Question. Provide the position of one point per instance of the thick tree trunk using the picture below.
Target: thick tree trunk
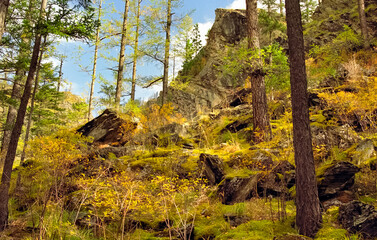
(308, 213)
(261, 121)
(363, 23)
(94, 63)
(165, 79)
(133, 87)
(4, 4)
(118, 92)
(11, 153)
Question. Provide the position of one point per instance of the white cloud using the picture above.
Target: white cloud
(203, 29)
(55, 61)
(237, 4)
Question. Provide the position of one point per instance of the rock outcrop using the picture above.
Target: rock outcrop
(109, 129)
(207, 86)
(358, 217)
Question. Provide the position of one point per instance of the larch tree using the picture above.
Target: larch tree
(363, 23)
(165, 79)
(94, 70)
(136, 51)
(261, 121)
(308, 212)
(123, 41)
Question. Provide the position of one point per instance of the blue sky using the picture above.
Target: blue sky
(79, 80)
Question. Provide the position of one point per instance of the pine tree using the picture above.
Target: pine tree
(261, 121)
(308, 212)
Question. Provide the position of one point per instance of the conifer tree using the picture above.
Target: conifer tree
(261, 121)
(123, 41)
(308, 212)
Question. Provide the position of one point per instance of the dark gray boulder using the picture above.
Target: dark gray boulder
(238, 189)
(358, 217)
(212, 168)
(336, 178)
(109, 129)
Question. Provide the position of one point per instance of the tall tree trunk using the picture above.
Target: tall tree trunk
(165, 79)
(4, 4)
(11, 153)
(94, 63)
(118, 92)
(261, 121)
(133, 87)
(35, 89)
(308, 213)
(363, 23)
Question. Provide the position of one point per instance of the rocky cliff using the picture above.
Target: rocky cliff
(203, 86)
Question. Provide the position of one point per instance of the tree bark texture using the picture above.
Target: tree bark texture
(123, 41)
(165, 79)
(308, 213)
(16, 132)
(35, 89)
(94, 63)
(4, 4)
(261, 121)
(133, 87)
(363, 23)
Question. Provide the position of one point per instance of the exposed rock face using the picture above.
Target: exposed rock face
(207, 87)
(109, 129)
(358, 217)
(342, 137)
(211, 167)
(335, 179)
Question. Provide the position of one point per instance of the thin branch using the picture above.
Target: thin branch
(153, 82)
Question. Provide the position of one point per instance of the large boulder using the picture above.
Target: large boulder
(109, 129)
(237, 189)
(358, 217)
(336, 178)
(277, 181)
(212, 168)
